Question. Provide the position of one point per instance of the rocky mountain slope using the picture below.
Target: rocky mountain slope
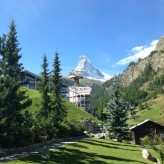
(85, 68)
(155, 59)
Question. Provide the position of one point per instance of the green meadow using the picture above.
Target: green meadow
(91, 151)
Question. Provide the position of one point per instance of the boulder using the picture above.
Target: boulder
(147, 155)
(91, 126)
(100, 136)
(86, 132)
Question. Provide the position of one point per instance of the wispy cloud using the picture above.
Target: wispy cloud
(138, 52)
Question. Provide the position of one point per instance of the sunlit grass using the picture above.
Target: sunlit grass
(74, 113)
(91, 151)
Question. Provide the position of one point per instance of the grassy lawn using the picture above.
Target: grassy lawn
(92, 151)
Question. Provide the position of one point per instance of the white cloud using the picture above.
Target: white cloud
(136, 49)
(138, 52)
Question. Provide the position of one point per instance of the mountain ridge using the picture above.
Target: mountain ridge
(155, 59)
(86, 69)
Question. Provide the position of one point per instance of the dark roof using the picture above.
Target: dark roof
(32, 74)
(39, 77)
(148, 120)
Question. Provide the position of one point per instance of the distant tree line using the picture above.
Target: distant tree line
(99, 99)
(136, 93)
(114, 103)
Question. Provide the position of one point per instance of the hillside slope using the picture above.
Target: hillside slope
(142, 85)
(154, 112)
(74, 113)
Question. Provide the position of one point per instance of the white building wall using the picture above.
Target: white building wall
(78, 94)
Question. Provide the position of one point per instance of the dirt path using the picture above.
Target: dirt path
(36, 151)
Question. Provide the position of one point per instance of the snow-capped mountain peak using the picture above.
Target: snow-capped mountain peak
(85, 68)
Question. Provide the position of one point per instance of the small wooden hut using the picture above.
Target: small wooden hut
(146, 128)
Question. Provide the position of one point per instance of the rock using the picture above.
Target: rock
(155, 59)
(147, 155)
(45, 153)
(100, 136)
(86, 132)
(160, 44)
(92, 135)
(91, 126)
(158, 161)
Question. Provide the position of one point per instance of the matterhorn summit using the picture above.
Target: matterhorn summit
(85, 68)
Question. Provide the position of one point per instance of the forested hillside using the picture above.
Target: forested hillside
(142, 85)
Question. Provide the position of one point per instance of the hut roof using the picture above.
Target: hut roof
(145, 121)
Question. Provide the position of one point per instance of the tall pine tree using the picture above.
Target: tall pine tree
(60, 110)
(44, 89)
(117, 114)
(12, 99)
(10, 54)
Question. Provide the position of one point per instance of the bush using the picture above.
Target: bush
(76, 128)
(63, 130)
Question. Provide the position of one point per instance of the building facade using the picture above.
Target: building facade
(32, 80)
(80, 96)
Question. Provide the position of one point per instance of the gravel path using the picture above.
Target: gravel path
(36, 151)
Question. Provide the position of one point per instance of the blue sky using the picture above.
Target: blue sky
(111, 33)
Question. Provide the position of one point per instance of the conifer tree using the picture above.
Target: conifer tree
(44, 89)
(117, 114)
(60, 110)
(12, 99)
(10, 54)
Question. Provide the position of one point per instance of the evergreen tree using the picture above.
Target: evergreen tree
(56, 77)
(2, 48)
(12, 99)
(44, 89)
(60, 110)
(117, 114)
(10, 54)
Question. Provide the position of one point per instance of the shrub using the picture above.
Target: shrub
(76, 128)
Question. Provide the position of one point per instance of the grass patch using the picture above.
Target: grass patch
(91, 151)
(78, 114)
(74, 113)
(155, 113)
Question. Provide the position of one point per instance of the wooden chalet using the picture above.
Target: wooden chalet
(146, 128)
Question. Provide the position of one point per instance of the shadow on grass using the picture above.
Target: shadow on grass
(78, 145)
(115, 143)
(107, 145)
(66, 156)
(77, 153)
(74, 156)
